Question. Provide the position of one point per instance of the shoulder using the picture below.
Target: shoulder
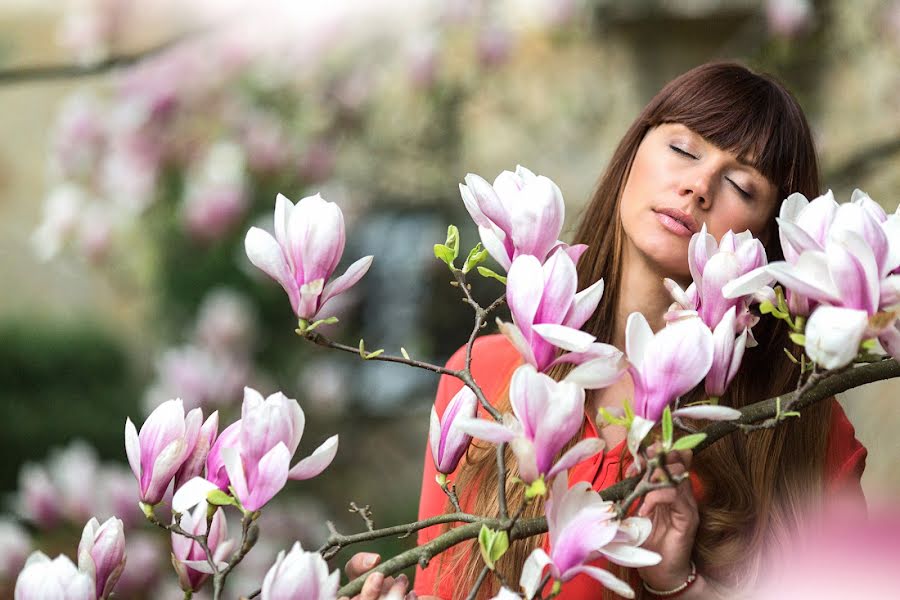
(845, 457)
(493, 360)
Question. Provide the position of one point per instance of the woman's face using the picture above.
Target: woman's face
(678, 182)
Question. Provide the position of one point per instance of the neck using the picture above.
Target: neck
(642, 291)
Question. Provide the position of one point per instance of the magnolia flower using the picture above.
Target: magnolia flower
(583, 527)
(101, 553)
(522, 213)
(547, 313)
(306, 249)
(728, 352)
(833, 335)
(712, 266)
(57, 579)
(188, 558)
(300, 575)
(255, 454)
(15, 545)
(448, 442)
(547, 415)
(166, 441)
(666, 364)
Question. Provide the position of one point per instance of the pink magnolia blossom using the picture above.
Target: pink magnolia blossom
(583, 527)
(521, 213)
(300, 575)
(189, 559)
(548, 313)
(166, 440)
(196, 461)
(216, 195)
(728, 351)
(253, 455)
(101, 553)
(303, 254)
(547, 415)
(447, 441)
(15, 545)
(57, 579)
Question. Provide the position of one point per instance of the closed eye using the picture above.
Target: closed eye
(744, 193)
(678, 150)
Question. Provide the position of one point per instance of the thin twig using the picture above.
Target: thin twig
(450, 490)
(319, 339)
(365, 512)
(481, 577)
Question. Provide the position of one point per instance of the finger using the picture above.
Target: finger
(360, 563)
(397, 588)
(673, 470)
(657, 498)
(371, 589)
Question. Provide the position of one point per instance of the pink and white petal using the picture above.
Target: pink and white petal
(526, 456)
(609, 581)
(517, 339)
(597, 373)
(271, 477)
(191, 494)
(710, 412)
(678, 294)
(471, 205)
(201, 566)
(133, 448)
(560, 283)
(533, 572)
(524, 290)
(833, 335)
(597, 350)
(581, 451)
(633, 531)
(567, 338)
(575, 251)
(308, 299)
(890, 292)
(490, 431)
(679, 357)
(638, 338)
(164, 467)
(630, 556)
(639, 429)
(316, 462)
(496, 245)
(890, 341)
(265, 253)
(854, 271)
(488, 202)
(235, 470)
(351, 276)
(809, 277)
(748, 283)
(791, 207)
(434, 436)
(795, 240)
(585, 304)
(740, 344)
(283, 209)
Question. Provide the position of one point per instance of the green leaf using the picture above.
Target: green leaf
(378, 352)
(445, 254)
(791, 357)
(798, 338)
(404, 352)
(667, 427)
(493, 545)
(485, 272)
(219, 498)
(453, 239)
(688, 442)
(477, 255)
(609, 417)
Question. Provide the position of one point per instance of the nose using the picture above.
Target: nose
(698, 185)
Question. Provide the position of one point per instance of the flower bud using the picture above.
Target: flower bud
(101, 553)
(300, 575)
(43, 578)
(448, 442)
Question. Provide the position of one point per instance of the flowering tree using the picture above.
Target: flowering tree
(836, 289)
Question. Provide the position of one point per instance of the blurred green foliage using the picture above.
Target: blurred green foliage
(59, 382)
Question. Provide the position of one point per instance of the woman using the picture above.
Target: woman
(720, 146)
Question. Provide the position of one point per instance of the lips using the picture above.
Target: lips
(682, 217)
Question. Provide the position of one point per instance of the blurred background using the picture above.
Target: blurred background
(139, 140)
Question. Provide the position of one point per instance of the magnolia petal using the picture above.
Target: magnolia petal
(854, 271)
(533, 571)
(597, 373)
(630, 556)
(581, 451)
(316, 462)
(235, 470)
(585, 304)
(524, 290)
(638, 337)
(487, 202)
(201, 566)
(472, 207)
(343, 283)
(490, 431)
(265, 254)
(639, 429)
(833, 335)
(496, 246)
(678, 294)
(517, 339)
(271, 476)
(748, 283)
(634, 531)
(133, 448)
(710, 412)
(565, 337)
(191, 494)
(809, 277)
(609, 581)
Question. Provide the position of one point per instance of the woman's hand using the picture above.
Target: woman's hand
(376, 585)
(673, 513)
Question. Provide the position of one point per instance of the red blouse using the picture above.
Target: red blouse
(494, 359)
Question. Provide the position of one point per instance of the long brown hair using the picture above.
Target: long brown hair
(755, 485)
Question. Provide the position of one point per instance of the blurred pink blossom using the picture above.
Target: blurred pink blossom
(15, 544)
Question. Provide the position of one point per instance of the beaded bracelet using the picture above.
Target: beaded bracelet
(676, 591)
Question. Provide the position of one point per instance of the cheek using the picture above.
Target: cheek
(738, 217)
